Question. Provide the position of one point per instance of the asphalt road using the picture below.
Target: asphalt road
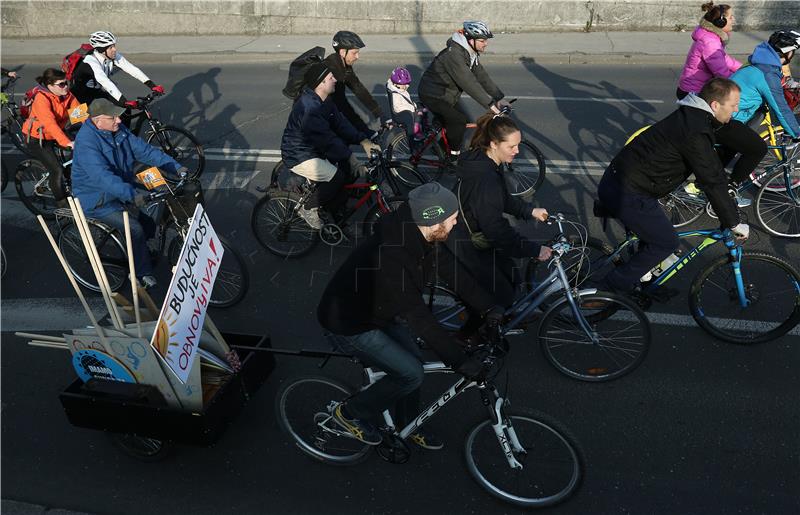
(701, 427)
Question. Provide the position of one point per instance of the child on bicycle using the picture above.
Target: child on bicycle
(404, 110)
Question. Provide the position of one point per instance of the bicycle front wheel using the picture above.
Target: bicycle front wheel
(613, 342)
(181, 146)
(32, 181)
(526, 173)
(399, 153)
(279, 228)
(109, 248)
(303, 407)
(552, 464)
(770, 286)
(778, 207)
(682, 207)
(14, 129)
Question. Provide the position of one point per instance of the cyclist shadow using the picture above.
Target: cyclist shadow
(188, 102)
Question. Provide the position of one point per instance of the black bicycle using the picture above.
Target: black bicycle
(13, 120)
(32, 182)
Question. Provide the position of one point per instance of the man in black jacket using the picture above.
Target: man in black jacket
(656, 163)
(316, 144)
(347, 46)
(384, 279)
(457, 69)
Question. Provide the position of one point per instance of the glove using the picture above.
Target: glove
(741, 232)
(357, 168)
(369, 146)
(132, 104)
(494, 316)
(158, 89)
(140, 199)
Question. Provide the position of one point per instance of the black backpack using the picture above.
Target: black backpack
(297, 70)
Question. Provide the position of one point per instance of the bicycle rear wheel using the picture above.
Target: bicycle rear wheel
(778, 208)
(772, 287)
(233, 279)
(526, 173)
(181, 146)
(681, 207)
(432, 162)
(109, 247)
(618, 341)
(33, 187)
(303, 406)
(279, 228)
(552, 463)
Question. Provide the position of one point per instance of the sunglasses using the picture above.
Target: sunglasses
(62, 84)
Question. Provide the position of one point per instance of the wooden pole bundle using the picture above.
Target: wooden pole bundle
(134, 282)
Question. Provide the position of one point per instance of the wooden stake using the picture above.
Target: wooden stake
(134, 282)
(43, 337)
(148, 301)
(49, 345)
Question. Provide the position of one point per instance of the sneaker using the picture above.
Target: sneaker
(740, 200)
(426, 440)
(148, 281)
(360, 429)
(311, 217)
(691, 189)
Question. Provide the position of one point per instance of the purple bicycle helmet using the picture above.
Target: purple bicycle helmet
(401, 76)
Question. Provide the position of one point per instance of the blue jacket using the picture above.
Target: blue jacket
(761, 83)
(102, 167)
(317, 129)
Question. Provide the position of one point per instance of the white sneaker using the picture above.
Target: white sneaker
(311, 216)
(148, 281)
(741, 201)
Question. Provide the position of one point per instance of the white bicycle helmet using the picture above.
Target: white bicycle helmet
(102, 39)
(477, 30)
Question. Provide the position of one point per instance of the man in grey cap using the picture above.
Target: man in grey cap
(384, 280)
(103, 180)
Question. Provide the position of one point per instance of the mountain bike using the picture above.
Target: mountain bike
(524, 175)
(740, 297)
(523, 457)
(279, 228)
(171, 209)
(580, 339)
(13, 120)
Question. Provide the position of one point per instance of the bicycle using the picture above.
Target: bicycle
(279, 228)
(12, 124)
(580, 339)
(538, 462)
(32, 182)
(740, 297)
(524, 175)
(177, 143)
(171, 209)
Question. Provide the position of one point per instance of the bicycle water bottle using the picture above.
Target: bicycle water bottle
(668, 261)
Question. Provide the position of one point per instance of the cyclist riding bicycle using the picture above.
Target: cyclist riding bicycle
(484, 240)
(347, 46)
(103, 178)
(383, 281)
(316, 144)
(761, 81)
(455, 70)
(91, 79)
(44, 128)
(658, 161)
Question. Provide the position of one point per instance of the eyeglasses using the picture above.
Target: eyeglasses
(62, 84)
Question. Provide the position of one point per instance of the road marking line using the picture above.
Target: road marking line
(576, 99)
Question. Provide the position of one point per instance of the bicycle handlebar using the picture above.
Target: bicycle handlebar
(146, 100)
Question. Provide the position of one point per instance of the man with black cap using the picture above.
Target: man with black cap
(103, 179)
(316, 144)
(384, 280)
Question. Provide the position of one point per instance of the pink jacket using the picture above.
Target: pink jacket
(707, 59)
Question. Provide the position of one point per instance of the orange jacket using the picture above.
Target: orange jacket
(49, 115)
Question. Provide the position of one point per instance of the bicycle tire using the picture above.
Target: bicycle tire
(625, 337)
(773, 155)
(14, 130)
(294, 415)
(445, 307)
(4, 176)
(682, 208)
(432, 167)
(109, 247)
(526, 172)
(776, 211)
(31, 181)
(374, 214)
(555, 463)
(145, 449)
(784, 316)
(536, 271)
(183, 147)
(275, 218)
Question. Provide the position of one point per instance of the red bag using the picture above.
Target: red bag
(73, 59)
(27, 101)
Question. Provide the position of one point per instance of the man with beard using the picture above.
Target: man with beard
(382, 283)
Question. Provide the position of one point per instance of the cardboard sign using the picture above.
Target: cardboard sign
(180, 324)
(151, 178)
(79, 114)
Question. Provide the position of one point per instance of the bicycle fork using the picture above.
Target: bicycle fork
(503, 430)
(736, 264)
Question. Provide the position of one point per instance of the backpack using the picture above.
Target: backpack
(27, 101)
(73, 59)
(297, 70)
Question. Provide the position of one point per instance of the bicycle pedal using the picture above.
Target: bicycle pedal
(514, 332)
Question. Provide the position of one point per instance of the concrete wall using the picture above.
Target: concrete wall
(36, 18)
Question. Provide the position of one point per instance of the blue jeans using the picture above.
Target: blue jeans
(142, 228)
(394, 351)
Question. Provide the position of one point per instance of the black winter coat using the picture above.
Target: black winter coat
(385, 277)
(317, 129)
(346, 78)
(663, 156)
(450, 74)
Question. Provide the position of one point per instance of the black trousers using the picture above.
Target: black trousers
(331, 195)
(46, 154)
(736, 137)
(452, 118)
(643, 215)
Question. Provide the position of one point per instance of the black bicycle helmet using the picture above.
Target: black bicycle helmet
(477, 30)
(344, 39)
(785, 41)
